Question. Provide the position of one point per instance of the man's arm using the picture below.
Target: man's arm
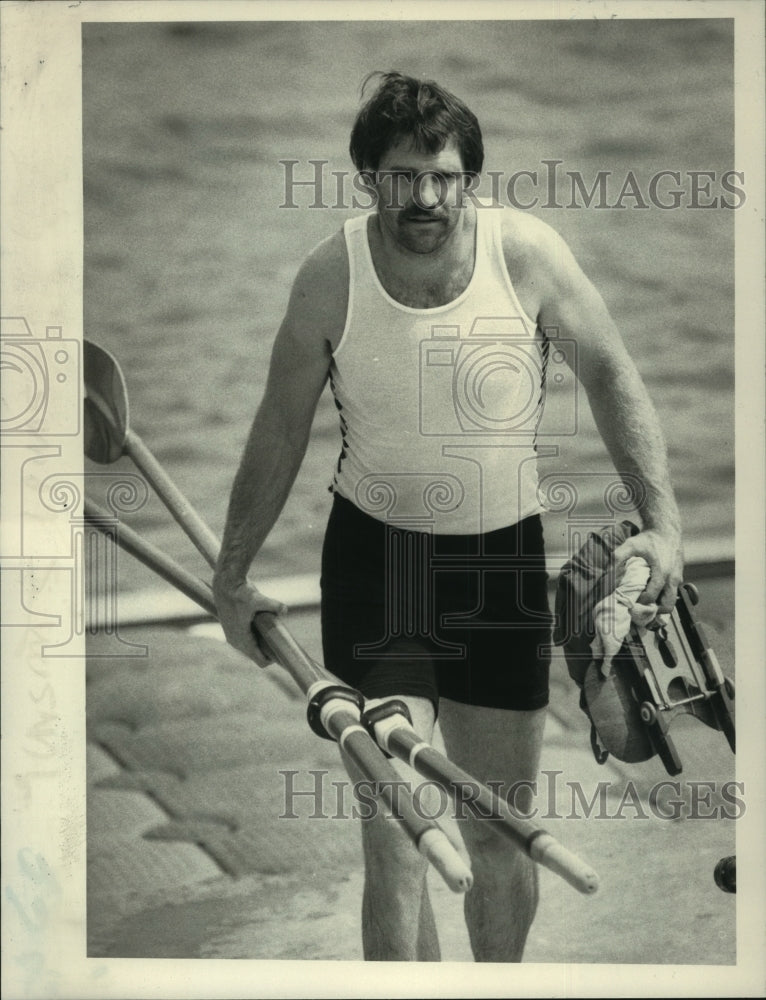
(624, 414)
(279, 436)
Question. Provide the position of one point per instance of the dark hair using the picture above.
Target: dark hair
(403, 107)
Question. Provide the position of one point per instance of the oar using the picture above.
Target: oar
(337, 708)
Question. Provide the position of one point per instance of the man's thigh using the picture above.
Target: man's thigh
(493, 744)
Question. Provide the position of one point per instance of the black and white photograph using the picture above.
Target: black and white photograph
(383, 502)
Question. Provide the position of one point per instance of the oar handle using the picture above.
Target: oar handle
(549, 853)
(387, 788)
(440, 852)
(395, 734)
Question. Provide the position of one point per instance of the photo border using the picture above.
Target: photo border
(44, 803)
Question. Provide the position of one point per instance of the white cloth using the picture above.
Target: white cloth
(613, 616)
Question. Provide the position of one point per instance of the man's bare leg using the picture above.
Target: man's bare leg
(496, 745)
(397, 919)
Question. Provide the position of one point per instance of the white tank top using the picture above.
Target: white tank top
(439, 407)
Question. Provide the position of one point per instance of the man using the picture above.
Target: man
(428, 316)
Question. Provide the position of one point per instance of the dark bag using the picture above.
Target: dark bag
(584, 580)
(658, 673)
(587, 578)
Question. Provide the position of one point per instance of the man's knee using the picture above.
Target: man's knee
(488, 848)
(389, 851)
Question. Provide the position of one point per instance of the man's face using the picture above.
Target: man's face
(420, 195)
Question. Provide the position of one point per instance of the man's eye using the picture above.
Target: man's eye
(396, 176)
(442, 178)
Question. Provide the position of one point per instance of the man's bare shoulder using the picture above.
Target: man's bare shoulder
(532, 251)
(320, 291)
(536, 255)
(525, 237)
(325, 270)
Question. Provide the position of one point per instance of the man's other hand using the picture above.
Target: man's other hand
(662, 551)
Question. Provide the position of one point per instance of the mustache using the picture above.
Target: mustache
(422, 214)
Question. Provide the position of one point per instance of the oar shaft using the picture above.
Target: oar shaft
(340, 723)
(148, 554)
(283, 646)
(177, 504)
(287, 652)
(426, 760)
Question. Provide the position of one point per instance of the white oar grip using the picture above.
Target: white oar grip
(547, 851)
(436, 846)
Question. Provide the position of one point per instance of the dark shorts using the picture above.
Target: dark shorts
(464, 617)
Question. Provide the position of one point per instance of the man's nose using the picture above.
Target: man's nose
(427, 191)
